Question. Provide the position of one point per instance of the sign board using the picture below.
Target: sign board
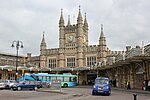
(56, 85)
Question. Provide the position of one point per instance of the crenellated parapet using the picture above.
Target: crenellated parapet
(92, 48)
(134, 52)
(53, 51)
(115, 52)
(130, 52)
(70, 28)
(35, 58)
(114, 56)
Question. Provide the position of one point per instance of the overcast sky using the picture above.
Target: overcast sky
(126, 22)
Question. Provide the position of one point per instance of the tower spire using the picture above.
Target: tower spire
(61, 21)
(68, 20)
(85, 22)
(43, 45)
(101, 27)
(102, 34)
(102, 45)
(79, 19)
(102, 40)
(43, 39)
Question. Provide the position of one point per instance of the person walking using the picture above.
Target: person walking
(128, 85)
(143, 86)
(149, 85)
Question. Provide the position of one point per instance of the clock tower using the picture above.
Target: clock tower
(73, 38)
(73, 35)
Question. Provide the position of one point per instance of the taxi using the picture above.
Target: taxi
(101, 86)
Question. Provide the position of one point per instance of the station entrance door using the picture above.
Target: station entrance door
(91, 78)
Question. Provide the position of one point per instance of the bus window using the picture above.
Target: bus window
(40, 78)
(44, 78)
(53, 78)
(49, 78)
(74, 79)
(60, 78)
(66, 79)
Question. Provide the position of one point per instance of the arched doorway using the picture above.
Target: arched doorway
(91, 76)
(139, 77)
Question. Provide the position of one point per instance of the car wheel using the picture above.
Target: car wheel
(108, 93)
(35, 88)
(93, 93)
(65, 85)
(18, 88)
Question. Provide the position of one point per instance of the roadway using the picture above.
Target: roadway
(77, 93)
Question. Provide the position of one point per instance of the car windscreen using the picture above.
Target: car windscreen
(101, 81)
(13, 81)
(1, 81)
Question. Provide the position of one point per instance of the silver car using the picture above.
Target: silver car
(10, 83)
(7, 84)
(3, 84)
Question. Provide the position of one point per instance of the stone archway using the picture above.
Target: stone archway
(139, 76)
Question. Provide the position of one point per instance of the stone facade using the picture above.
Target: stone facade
(74, 49)
(75, 55)
(10, 59)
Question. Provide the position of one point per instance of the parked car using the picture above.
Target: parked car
(10, 83)
(101, 86)
(26, 85)
(4, 84)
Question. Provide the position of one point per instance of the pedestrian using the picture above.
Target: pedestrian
(149, 85)
(146, 84)
(143, 86)
(128, 85)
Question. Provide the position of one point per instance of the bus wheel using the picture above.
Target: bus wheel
(65, 85)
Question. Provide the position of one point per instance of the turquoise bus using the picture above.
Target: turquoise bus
(67, 79)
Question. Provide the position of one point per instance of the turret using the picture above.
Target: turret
(61, 20)
(61, 31)
(43, 45)
(79, 35)
(85, 23)
(102, 40)
(79, 19)
(68, 21)
(102, 46)
(79, 29)
(61, 62)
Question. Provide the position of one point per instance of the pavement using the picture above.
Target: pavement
(64, 94)
(62, 91)
(68, 94)
(138, 91)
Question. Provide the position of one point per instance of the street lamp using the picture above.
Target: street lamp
(18, 44)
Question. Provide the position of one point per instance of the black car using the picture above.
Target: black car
(27, 85)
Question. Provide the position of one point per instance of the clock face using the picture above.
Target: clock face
(70, 38)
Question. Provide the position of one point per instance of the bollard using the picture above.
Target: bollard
(135, 96)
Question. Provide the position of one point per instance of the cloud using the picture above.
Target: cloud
(125, 22)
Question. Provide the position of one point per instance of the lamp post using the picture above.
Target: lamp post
(17, 44)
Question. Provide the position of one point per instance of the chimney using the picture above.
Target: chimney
(128, 48)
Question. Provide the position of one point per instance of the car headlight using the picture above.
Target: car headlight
(107, 87)
(94, 86)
